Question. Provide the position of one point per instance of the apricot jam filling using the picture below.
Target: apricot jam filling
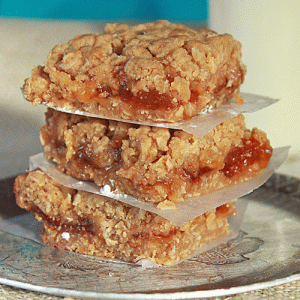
(85, 156)
(82, 225)
(89, 91)
(251, 151)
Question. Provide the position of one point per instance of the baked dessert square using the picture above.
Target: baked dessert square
(156, 71)
(95, 225)
(150, 163)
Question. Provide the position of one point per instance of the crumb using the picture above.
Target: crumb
(166, 204)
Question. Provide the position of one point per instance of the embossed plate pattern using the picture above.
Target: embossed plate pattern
(266, 253)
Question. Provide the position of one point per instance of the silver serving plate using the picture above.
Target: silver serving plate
(266, 253)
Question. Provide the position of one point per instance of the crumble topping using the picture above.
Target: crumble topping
(152, 71)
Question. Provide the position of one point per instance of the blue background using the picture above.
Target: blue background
(172, 10)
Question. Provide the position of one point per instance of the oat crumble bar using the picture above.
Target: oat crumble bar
(155, 71)
(94, 225)
(150, 163)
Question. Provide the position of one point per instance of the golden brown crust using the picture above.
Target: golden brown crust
(154, 71)
(154, 164)
(92, 224)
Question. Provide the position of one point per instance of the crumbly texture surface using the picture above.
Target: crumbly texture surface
(94, 225)
(155, 71)
(150, 163)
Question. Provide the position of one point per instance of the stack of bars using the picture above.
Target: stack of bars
(129, 77)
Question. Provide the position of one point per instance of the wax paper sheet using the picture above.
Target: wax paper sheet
(201, 124)
(186, 210)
